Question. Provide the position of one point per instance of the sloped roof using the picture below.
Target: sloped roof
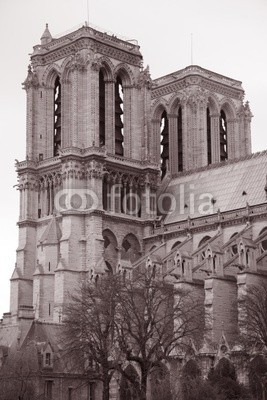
(52, 233)
(10, 334)
(231, 186)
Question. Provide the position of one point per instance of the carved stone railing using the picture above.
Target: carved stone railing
(221, 218)
(82, 31)
(196, 70)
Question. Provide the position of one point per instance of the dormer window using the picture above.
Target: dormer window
(47, 359)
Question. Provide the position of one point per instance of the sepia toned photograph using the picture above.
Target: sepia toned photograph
(133, 200)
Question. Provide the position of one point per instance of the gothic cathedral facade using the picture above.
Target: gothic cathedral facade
(123, 170)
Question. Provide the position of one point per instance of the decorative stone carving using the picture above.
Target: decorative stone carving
(245, 111)
(78, 62)
(94, 169)
(197, 97)
(144, 79)
(31, 80)
(95, 66)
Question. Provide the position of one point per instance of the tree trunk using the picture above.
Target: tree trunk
(143, 385)
(105, 394)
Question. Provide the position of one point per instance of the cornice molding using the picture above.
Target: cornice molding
(186, 82)
(68, 49)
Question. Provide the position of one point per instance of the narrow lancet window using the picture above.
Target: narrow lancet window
(164, 144)
(223, 137)
(102, 120)
(208, 136)
(57, 117)
(119, 134)
(180, 139)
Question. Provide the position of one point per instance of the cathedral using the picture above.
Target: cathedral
(120, 171)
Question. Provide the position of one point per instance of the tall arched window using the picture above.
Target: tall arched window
(102, 119)
(208, 136)
(223, 137)
(119, 134)
(164, 144)
(57, 116)
(180, 139)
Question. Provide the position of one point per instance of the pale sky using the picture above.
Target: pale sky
(229, 37)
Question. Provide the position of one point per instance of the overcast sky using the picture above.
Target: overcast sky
(229, 37)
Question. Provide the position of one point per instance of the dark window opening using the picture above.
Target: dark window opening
(223, 137)
(91, 391)
(57, 117)
(119, 134)
(70, 390)
(48, 358)
(214, 264)
(109, 269)
(105, 194)
(106, 242)
(126, 245)
(180, 139)
(102, 110)
(48, 389)
(264, 245)
(234, 247)
(164, 144)
(208, 136)
(203, 241)
(176, 244)
(183, 267)
(247, 257)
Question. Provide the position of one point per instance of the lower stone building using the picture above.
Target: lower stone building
(122, 171)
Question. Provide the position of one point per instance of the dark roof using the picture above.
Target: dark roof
(230, 186)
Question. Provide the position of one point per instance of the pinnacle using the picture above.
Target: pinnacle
(46, 36)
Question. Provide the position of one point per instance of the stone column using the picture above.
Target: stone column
(173, 143)
(109, 116)
(215, 138)
(127, 120)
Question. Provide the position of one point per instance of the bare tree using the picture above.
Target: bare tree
(89, 329)
(253, 316)
(139, 321)
(153, 320)
(18, 375)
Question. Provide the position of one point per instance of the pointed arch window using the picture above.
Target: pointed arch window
(164, 144)
(208, 136)
(102, 109)
(57, 116)
(223, 137)
(180, 139)
(119, 134)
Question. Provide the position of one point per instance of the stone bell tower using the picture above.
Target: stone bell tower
(88, 168)
(201, 119)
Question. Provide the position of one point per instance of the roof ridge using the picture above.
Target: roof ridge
(220, 164)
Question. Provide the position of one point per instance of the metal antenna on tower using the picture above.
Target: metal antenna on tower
(191, 48)
(88, 12)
